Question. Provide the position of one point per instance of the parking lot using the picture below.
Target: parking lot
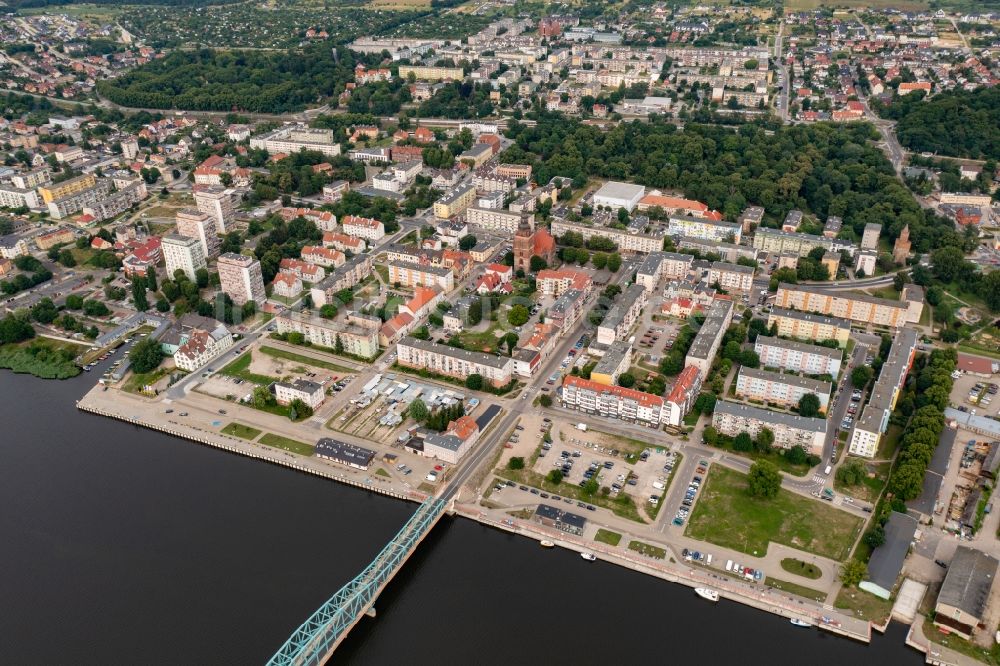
(657, 338)
(976, 395)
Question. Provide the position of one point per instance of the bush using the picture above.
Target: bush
(545, 400)
(515, 463)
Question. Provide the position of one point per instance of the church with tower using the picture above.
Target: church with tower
(530, 242)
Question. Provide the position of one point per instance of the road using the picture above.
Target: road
(784, 81)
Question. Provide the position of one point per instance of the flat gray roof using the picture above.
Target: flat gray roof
(854, 296)
(816, 386)
(481, 358)
(801, 347)
(617, 312)
(767, 416)
(890, 377)
(732, 268)
(886, 561)
(620, 190)
(808, 316)
(711, 329)
(612, 358)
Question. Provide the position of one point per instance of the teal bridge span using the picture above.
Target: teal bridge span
(316, 639)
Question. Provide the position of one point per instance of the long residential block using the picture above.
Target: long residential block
(806, 326)
(780, 389)
(732, 418)
(453, 362)
(798, 356)
(874, 419)
(856, 307)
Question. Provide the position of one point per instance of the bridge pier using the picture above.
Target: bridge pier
(370, 612)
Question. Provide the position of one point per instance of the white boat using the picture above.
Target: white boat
(590, 557)
(800, 623)
(547, 544)
(706, 593)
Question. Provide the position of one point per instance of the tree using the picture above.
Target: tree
(145, 355)
(300, 410)
(809, 405)
(614, 262)
(139, 293)
(74, 302)
(554, 477)
(545, 400)
(861, 375)
(518, 315)
(626, 379)
(590, 488)
(467, 242)
(67, 259)
(15, 329)
(262, 397)
(796, 455)
(537, 263)
(417, 410)
(474, 382)
(705, 403)
(875, 537)
(764, 480)
(328, 311)
(853, 572)
(511, 341)
(201, 277)
(515, 463)
(765, 439)
(743, 442)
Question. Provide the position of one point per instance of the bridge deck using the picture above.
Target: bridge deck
(318, 636)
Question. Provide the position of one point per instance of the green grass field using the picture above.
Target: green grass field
(305, 360)
(726, 515)
(279, 442)
(800, 568)
(608, 537)
(649, 551)
(240, 368)
(241, 431)
(795, 588)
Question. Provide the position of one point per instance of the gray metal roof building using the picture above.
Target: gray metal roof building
(886, 562)
(344, 453)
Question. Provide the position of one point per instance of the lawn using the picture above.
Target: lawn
(305, 360)
(889, 443)
(885, 292)
(138, 380)
(726, 515)
(647, 550)
(864, 604)
(608, 537)
(241, 431)
(794, 588)
(481, 341)
(870, 487)
(800, 568)
(774, 456)
(240, 368)
(279, 442)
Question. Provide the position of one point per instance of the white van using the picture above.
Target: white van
(829, 468)
(729, 565)
(658, 485)
(708, 560)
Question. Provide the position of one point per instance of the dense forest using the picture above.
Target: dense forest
(822, 168)
(250, 81)
(957, 123)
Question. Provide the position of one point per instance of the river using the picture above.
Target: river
(123, 545)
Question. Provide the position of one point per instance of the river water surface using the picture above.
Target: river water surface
(126, 546)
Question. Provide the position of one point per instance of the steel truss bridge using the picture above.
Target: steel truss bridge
(316, 639)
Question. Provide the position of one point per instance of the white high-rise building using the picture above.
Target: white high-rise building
(217, 201)
(184, 253)
(241, 278)
(196, 224)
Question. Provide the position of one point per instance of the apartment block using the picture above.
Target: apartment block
(14, 197)
(706, 343)
(704, 228)
(855, 307)
(201, 347)
(412, 275)
(660, 265)
(453, 362)
(622, 315)
(798, 356)
(567, 310)
(626, 242)
(217, 202)
(615, 402)
(682, 396)
(355, 340)
(455, 201)
(182, 253)
(311, 393)
(363, 227)
(354, 270)
(67, 188)
(731, 277)
(195, 224)
(874, 419)
(77, 199)
(242, 279)
(292, 139)
(557, 282)
(732, 418)
(494, 218)
(431, 73)
(615, 361)
(807, 326)
(777, 241)
(780, 389)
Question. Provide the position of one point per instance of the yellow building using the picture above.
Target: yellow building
(68, 187)
(431, 73)
(455, 202)
(856, 307)
(806, 326)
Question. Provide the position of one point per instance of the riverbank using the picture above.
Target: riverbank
(103, 403)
